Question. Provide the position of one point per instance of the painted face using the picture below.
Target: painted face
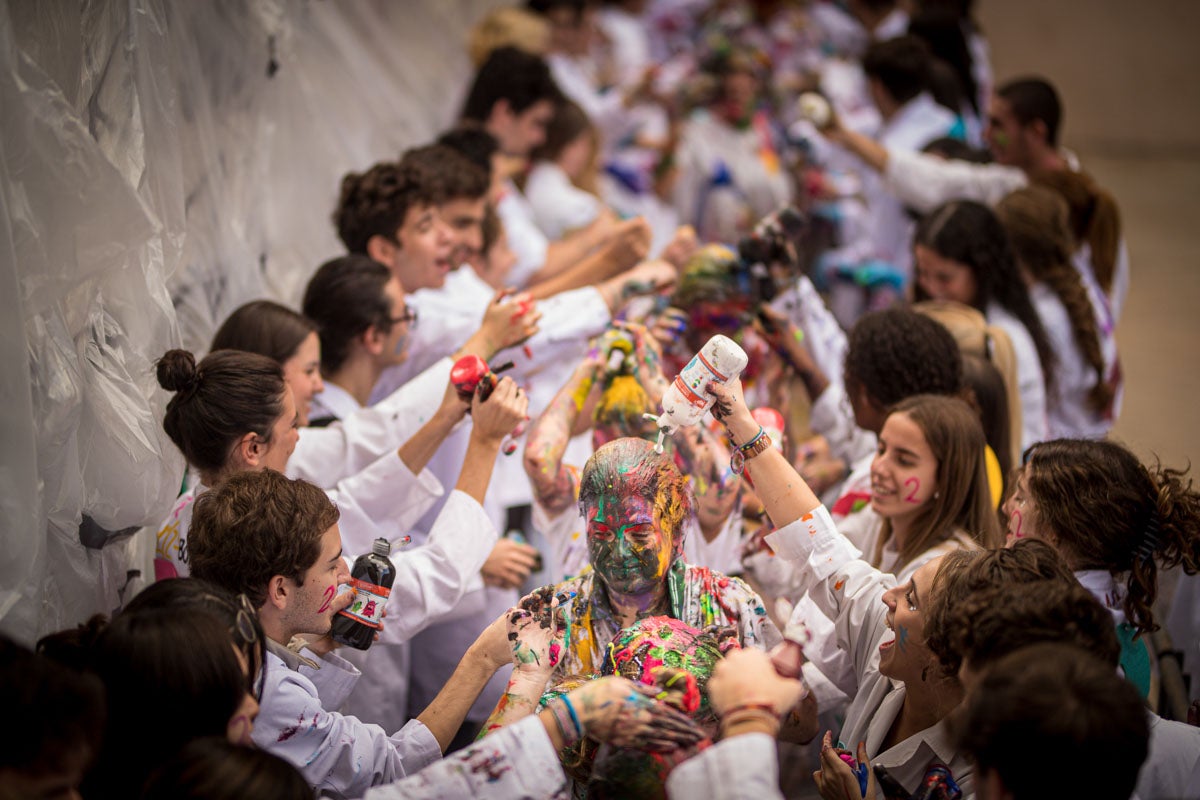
(303, 373)
(241, 724)
(518, 133)
(284, 435)
(310, 608)
(464, 217)
(395, 347)
(904, 656)
(424, 257)
(628, 549)
(739, 91)
(1005, 135)
(1021, 514)
(944, 279)
(904, 470)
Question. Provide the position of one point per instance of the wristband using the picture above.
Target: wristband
(566, 719)
(742, 453)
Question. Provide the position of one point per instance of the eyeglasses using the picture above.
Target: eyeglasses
(246, 631)
(408, 314)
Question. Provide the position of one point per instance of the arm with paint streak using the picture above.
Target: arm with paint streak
(537, 643)
(553, 484)
(783, 493)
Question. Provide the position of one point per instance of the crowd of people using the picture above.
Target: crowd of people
(896, 547)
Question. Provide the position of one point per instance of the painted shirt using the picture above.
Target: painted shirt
(699, 597)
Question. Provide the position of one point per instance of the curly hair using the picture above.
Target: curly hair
(630, 466)
(971, 234)
(962, 501)
(344, 298)
(898, 353)
(375, 202)
(229, 394)
(993, 621)
(1105, 510)
(454, 173)
(1036, 220)
(257, 525)
(963, 574)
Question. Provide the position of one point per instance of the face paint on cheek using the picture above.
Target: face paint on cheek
(1016, 532)
(330, 593)
(902, 637)
(914, 484)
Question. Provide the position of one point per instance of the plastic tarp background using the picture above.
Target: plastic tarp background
(162, 163)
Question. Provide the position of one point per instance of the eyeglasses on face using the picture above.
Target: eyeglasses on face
(407, 314)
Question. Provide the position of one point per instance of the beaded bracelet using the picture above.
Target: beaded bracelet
(557, 707)
(752, 442)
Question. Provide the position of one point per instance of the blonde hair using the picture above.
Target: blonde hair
(976, 337)
(508, 27)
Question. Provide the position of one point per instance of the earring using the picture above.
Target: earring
(936, 495)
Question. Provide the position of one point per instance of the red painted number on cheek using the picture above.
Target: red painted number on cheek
(330, 593)
(915, 483)
(1016, 517)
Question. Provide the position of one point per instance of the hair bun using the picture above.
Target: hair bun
(177, 371)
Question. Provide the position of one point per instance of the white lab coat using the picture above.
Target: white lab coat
(849, 592)
(527, 241)
(738, 768)
(336, 754)
(324, 456)
(517, 762)
(559, 206)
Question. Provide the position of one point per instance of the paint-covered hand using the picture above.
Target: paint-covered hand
(838, 779)
(502, 412)
(648, 277)
(681, 246)
(731, 410)
(748, 678)
(509, 564)
(535, 634)
(667, 327)
(509, 320)
(627, 714)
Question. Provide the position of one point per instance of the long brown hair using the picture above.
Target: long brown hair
(962, 500)
(1036, 220)
(1094, 218)
(1107, 511)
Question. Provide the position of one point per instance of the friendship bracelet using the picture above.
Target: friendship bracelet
(767, 707)
(556, 708)
(752, 442)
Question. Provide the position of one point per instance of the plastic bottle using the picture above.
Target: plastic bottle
(356, 625)
(685, 401)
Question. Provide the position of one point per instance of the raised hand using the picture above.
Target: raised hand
(496, 417)
(509, 564)
(535, 633)
(836, 780)
(626, 714)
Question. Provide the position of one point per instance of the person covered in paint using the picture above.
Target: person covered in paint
(1116, 522)
(635, 503)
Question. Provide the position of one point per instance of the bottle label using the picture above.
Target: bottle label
(368, 604)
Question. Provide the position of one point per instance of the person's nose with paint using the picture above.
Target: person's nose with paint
(626, 546)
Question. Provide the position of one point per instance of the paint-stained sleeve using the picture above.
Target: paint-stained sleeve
(756, 627)
(517, 761)
(739, 768)
(334, 753)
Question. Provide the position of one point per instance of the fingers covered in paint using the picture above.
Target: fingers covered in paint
(627, 714)
(843, 776)
(534, 633)
(510, 319)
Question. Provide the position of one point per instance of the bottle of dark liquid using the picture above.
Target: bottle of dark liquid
(357, 624)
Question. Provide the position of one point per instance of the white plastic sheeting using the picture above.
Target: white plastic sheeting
(161, 163)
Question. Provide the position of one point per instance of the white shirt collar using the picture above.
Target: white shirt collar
(1104, 587)
(334, 402)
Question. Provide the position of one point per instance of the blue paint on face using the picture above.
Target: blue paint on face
(901, 637)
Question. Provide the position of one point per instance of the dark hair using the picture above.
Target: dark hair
(212, 768)
(458, 176)
(513, 75)
(233, 611)
(900, 64)
(942, 32)
(962, 501)
(257, 525)
(543, 7)
(344, 298)
(59, 711)
(1055, 698)
(943, 86)
(229, 394)
(984, 390)
(964, 573)
(266, 328)
(1036, 220)
(899, 353)
(471, 141)
(176, 661)
(971, 234)
(1105, 510)
(568, 124)
(1034, 99)
(993, 621)
(493, 228)
(375, 202)
(633, 465)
